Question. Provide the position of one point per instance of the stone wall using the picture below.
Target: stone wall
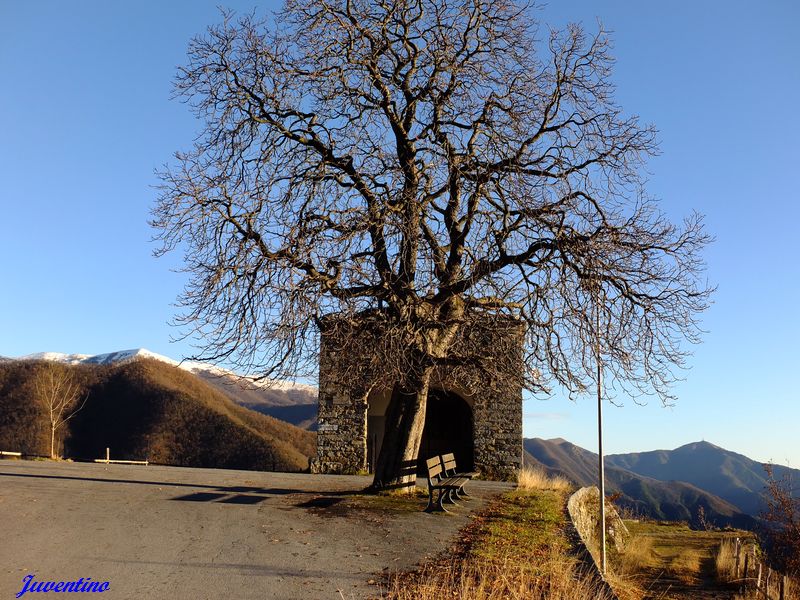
(496, 409)
(584, 510)
(341, 421)
(498, 435)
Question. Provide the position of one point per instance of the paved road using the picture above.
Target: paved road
(171, 532)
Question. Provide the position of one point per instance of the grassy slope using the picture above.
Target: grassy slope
(675, 562)
(147, 409)
(518, 548)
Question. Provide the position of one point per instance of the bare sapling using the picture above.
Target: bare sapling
(60, 396)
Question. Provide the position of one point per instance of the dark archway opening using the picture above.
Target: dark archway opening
(448, 428)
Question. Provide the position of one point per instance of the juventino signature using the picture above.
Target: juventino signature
(81, 585)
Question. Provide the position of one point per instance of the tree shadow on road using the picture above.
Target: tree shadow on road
(235, 494)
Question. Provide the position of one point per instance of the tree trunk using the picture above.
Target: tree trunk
(396, 468)
(53, 442)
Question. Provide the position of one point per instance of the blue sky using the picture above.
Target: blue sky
(86, 117)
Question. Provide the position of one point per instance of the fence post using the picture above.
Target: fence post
(738, 553)
(746, 566)
(758, 580)
(766, 582)
(108, 455)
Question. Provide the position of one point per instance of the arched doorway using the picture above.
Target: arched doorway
(448, 428)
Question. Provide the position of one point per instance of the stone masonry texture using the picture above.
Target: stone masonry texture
(496, 410)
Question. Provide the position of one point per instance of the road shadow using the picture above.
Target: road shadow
(234, 494)
(320, 502)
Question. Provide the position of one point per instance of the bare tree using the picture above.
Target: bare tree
(59, 394)
(423, 165)
(782, 519)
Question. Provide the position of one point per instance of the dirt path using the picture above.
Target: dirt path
(170, 532)
(681, 562)
(668, 587)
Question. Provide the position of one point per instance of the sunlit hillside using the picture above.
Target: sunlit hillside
(147, 409)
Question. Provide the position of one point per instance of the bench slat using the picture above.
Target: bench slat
(450, 468)
(448, 484)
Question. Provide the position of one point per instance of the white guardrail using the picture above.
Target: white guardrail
(107, 460)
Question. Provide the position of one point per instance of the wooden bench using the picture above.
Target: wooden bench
(437, 480)
(451, 470)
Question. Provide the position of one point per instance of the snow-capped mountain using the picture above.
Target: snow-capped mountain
(292, 402)
(99, 359)
(70, 359)
(198, 368)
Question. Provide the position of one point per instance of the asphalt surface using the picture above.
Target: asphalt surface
(172, 532)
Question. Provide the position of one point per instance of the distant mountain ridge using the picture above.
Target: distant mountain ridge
(669, 484)
(295, 403)
(729, 475)
(672, 499)
(120, 356)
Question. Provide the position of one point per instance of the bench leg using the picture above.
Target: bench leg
(442, 494)
(429, 508)
(458, 493)
(439, 504)
(453, 495)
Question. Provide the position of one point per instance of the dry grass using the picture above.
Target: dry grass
(793, 588)
(667, 555)
(662, 554)
(556, 579)
(685, 567)
(518, 548)
(637, 556)
(626, 587)
(627, 569)
(791, 592)
(675, 546)
(725, 564)
(725, 560)
(535, 478)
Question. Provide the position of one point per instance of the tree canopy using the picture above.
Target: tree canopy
(429, 161)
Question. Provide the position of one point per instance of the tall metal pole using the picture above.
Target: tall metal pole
(600, 434)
